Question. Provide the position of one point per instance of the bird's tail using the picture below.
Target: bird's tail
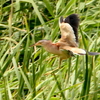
(93, 53)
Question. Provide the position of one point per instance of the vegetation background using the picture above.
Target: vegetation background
(24, 70)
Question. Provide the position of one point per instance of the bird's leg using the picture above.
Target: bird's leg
(59, 66)
(51, 58)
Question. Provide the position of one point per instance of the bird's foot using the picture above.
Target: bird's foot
(51, 58)
(52, 71)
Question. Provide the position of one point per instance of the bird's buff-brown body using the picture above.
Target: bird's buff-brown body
(54, 48)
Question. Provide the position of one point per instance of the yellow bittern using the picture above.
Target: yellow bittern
(67, 46)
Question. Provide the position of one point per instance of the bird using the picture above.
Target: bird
(67, 45)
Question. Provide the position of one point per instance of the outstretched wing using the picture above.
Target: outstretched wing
(67, 31)
(73, 20)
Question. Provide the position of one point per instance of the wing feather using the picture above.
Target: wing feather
(75, 50)
(67, 34)
(73, 20)
(68, 28)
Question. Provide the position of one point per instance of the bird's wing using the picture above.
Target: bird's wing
(67, 28)
(78, 51)
(73, 20)
(69, 35)
(74, 50)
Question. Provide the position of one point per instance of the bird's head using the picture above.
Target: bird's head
(42, 43)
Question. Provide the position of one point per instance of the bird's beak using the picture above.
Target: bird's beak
(32, 45)
(35, 44)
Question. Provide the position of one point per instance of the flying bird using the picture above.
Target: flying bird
(67, 46)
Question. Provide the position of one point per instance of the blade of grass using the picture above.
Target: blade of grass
(9, 59)
(51, 92)
(49, 7)
(37, 12)
(26, 80)
(59, 87)
(67, 7)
